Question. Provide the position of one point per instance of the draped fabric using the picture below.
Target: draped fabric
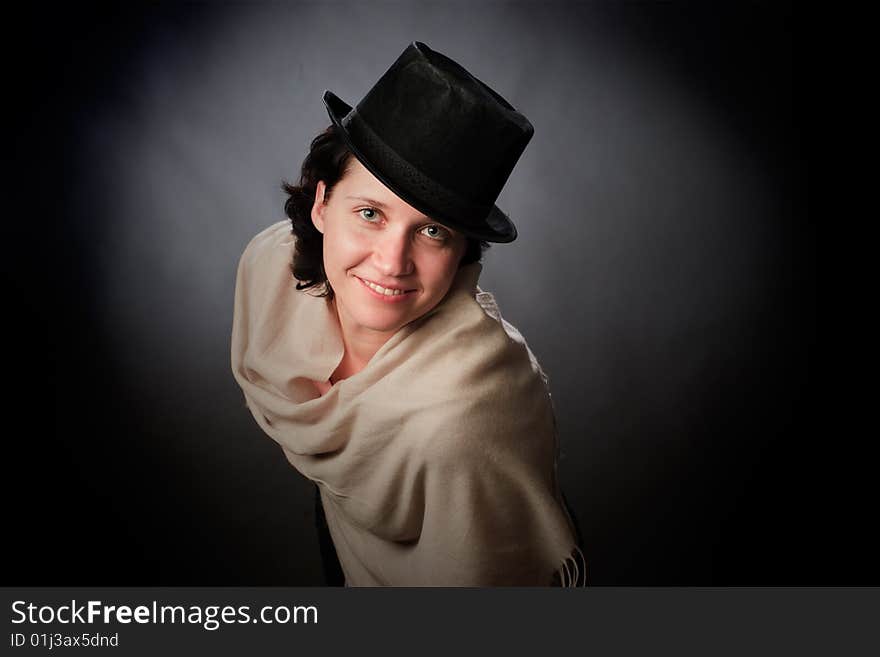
(436, 463)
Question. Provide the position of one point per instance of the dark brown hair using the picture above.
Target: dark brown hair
(328, 160)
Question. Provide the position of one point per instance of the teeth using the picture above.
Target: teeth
(383, 290)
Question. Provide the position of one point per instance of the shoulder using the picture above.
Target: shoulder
(272, 240)
(264, 264)
(513, 337)
(263, 279)
(484, 390)
(475, 354)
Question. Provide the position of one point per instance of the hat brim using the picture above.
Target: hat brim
(497, 226)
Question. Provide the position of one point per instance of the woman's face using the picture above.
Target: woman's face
(388, 263)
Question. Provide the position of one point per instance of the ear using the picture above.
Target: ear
(318, 207)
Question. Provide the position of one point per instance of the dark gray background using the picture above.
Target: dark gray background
(665, 276)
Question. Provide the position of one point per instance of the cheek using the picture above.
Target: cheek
(441, 272)
(343, 249)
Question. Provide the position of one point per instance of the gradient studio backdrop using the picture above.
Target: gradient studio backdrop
(664, 276)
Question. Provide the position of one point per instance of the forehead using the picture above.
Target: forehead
(358, 181)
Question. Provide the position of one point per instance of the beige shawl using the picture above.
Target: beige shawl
(436, 462)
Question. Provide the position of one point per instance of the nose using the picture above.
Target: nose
(392, 254)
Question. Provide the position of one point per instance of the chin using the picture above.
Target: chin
(381, 322)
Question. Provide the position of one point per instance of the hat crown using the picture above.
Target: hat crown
(447, 123)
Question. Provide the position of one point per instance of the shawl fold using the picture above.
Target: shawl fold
(436, 462)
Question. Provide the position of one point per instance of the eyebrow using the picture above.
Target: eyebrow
(379, 204)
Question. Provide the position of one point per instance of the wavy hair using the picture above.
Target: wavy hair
(328, 160)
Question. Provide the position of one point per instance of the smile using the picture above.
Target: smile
(387, 294)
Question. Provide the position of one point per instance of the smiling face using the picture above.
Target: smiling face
(388, 263)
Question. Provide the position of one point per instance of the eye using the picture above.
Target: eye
(436, 232)
(373, 217)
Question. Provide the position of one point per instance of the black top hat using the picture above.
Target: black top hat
(439, 138)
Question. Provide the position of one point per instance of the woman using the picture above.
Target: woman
(366, 350)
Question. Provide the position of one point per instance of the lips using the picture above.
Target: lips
(383, 289)
(386, 293)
